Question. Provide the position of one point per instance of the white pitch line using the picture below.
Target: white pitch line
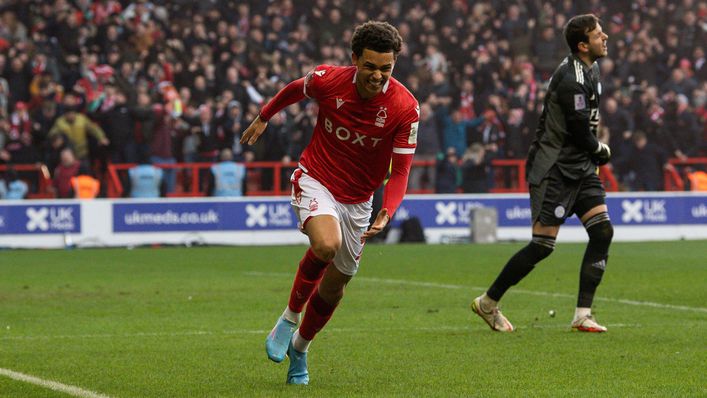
(52, 385)
(126, 335)
(263, 331)
(521, 291)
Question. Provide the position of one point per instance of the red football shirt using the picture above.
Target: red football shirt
(354, 138)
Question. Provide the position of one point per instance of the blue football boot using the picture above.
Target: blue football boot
(279, 338)
(297, 373)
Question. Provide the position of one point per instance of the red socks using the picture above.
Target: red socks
(310, 272)
(317, 315)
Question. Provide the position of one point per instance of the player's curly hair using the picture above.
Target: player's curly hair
(577, 29)
(381, 37)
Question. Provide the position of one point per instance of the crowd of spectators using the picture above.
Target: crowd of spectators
(86, 82)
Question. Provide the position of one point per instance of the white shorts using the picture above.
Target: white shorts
(310, 198)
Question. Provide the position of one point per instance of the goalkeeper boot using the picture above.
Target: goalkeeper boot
(297, 373)
(587, 324)
(279, 338)
(493, 318)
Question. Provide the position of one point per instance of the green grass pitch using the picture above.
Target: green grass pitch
(191, 322)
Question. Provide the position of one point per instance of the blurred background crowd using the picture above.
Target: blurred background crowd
(86, 83)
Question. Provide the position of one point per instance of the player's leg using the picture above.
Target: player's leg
(549, 203)
(518, 267)
(321, 225)
(595, 217)
(323, 302)
(325, 238)
(320, 309)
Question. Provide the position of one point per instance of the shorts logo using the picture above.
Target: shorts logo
(313, 205)
(381, 116)
(339, 102)
(579, 102)
(559, 211)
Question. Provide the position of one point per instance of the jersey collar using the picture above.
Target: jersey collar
(585, 67)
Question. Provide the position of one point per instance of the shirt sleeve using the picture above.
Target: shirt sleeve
(290, 94)
(310, 86)
(314, 81)
(404, 145)
(574, 102)
(405, 140)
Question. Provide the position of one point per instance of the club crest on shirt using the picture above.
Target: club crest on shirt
(339, 102)
(381, 116)
(579, 102)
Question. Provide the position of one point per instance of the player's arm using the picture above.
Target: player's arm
(393, 192)
(574, 101)
(403, 152)
(293, 92)
(308, 86)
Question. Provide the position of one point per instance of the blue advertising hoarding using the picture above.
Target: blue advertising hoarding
(203, 216)
(448, 211)
(40, 219)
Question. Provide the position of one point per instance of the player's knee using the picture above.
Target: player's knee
(326, 249)
(540, 247)
(601, 230)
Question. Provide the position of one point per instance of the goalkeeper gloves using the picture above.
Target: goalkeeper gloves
(602, 155)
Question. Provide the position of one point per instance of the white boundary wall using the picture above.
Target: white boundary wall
(264, 221)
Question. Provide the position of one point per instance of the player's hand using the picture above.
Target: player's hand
(602, 155)
(381, 221)
(254, 131)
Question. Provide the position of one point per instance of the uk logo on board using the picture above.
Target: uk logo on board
(51, 219)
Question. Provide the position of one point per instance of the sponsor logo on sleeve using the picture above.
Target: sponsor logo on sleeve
(579, 102)
(412, 138)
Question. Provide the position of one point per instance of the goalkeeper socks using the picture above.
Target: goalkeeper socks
(317, 315)
(308, 275)
(596, 255)
(521, 264)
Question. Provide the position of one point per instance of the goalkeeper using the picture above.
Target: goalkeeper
(562, 173)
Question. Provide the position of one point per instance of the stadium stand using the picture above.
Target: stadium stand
(178, 80)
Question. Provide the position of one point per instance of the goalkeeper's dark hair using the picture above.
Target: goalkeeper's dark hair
(381, 37)
(577, 29)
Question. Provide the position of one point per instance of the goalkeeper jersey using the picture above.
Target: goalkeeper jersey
(573, 95)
